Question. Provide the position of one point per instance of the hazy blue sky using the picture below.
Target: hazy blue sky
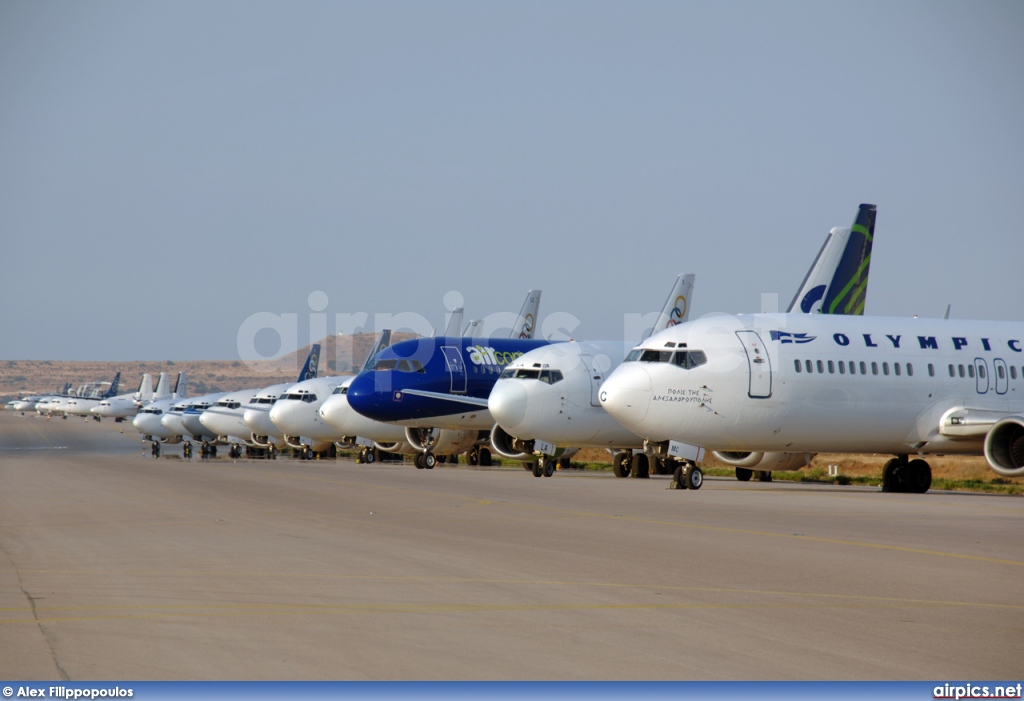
(169, 169)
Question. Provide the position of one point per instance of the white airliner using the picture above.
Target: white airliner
(149, 419)
(123, 406)
(549, 397)
(803, 384)
(30, 402)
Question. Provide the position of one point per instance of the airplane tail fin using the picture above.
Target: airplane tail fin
(112, 392)
(145, 391)
(67, 388)
(383, 341)
(526, 324)
(677, 305)
(181, 386)
(454, 327)
(312, 365)
(163, 391)
(472, 328)
(848, 289)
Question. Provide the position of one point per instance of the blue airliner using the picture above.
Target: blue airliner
(439, 382)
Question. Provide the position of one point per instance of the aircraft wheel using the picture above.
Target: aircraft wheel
(418, 461)
(273, 452)
(662, 466)
(429, 460)
(485, 457)
(641, 467)
(473, 455)
(549, 467)
(370, 457)
(187, 450)
(213, 451)
(678, 478)
(919, 476)
(453, 459)
(622, 465)
(764, 476)
(743, 474)
(890, 476)
(694, 477)
(537, 466)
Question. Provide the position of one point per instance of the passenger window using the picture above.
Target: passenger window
(1013, 372)
(981, 371)
(885, 368)
(808, 366)
(863, 368)
(853, 368)
(831, 368)
(910, 370)
(821, 367)
(931, 370)
(842, 368)
(970, 371)
(952, 372)
(1001, 372)
(896, 369)
(961, 369)
(797, 366)
(874, 368)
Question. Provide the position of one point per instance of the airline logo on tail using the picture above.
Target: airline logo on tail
(849, 288)
(678, 313)
(312, 364)
(526, 331)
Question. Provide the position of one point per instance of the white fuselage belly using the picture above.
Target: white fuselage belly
(822, 411)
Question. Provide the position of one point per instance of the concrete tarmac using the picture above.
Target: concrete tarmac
(115, 565)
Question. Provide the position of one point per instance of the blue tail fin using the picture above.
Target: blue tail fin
(849, 288)
(312, 366)
(112, 392)
(383, 341)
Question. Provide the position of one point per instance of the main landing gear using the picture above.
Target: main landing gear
(687, 476)
(544, 466)
(425, 461)
(903, 475)
(478, 456)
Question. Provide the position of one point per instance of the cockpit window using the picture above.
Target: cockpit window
(649, 355)
(340, 389)
(406, 365)
(551, 376)
(507, 372)
(386, 364)
(689, 359)
(307, 397)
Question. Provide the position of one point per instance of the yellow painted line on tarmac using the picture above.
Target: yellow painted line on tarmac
(148, 613)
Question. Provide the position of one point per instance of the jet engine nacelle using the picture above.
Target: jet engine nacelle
(1004, 447)
(442, 441)
(396, 447)
(510, 446)
(764, 461)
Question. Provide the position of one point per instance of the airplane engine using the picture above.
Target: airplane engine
(1004, 447)
(441, 441)
(397, 447)
(510, 446)
(764, 461)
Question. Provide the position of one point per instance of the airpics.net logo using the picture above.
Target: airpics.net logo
(974, 690)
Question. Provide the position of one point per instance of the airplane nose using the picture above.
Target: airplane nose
(364, 397)
(507, 404)
(626, 394)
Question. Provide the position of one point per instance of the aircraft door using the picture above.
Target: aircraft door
(1002, 378)
(759, 363)
(596, 378)
(456, 368)
(981, 373)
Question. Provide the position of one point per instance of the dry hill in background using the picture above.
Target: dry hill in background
(338, 355)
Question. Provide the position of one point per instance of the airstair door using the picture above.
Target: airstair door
(456, 368)
(760, 365)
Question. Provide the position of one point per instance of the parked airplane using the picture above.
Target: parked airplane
(149, 420)
(29, 403)
(83, 405)
(804, 384)
(549, 398)
(226, 418)
(425, 385)
(121, 407)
